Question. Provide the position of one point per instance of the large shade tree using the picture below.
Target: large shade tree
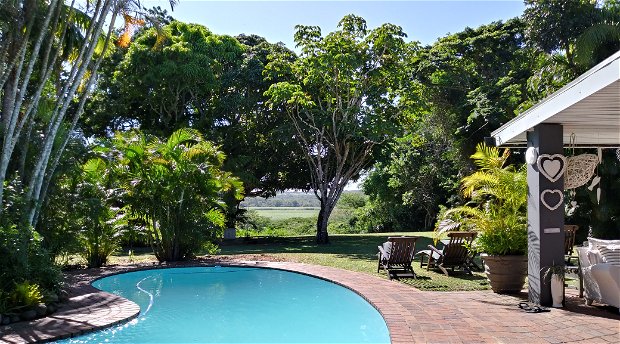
(462, 87)
(341, 99)
(212, 83)
(170, 78)
(584, 31)
(469, 83)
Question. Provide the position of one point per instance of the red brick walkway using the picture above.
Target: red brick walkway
(412, 316)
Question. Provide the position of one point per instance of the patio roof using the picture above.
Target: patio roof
(588, 107)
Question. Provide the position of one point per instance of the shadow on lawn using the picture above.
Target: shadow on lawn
(356, 247)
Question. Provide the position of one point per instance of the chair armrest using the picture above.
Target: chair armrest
(381, 252)
(582, 254)
(435, 250)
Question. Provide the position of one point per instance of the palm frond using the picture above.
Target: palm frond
(593, 38)
(479, 181)
(183, 136)
(487, 158)
(94, 167)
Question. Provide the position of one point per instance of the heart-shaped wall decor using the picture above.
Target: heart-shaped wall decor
(552, 166)
(547, 198)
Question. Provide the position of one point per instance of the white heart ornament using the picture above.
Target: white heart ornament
(555, 206)
(552, 166)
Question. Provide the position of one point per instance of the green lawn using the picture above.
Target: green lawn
(283, 213)
(356, 253)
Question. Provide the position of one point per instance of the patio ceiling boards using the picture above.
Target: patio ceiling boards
(588, 107)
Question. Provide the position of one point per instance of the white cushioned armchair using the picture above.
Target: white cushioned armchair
(600, 271)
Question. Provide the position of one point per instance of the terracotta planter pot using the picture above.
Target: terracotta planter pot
(505, 273)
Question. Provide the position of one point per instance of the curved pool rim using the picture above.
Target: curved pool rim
(267, 265)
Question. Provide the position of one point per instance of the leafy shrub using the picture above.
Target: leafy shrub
(294, 226)
(25, 295)
(96, 223)
(210, 248)
(23, 259)
(352, 200)
(25, 269)
(176, 187)
(4, 302)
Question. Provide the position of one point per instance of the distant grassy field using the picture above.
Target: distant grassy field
(282, 213)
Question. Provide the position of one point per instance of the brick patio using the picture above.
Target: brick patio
(412, 316)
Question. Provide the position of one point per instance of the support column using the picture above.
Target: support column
(545, 226)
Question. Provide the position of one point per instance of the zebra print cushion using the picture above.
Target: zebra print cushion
(610, 254)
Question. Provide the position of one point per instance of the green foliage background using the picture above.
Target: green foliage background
(424, 108)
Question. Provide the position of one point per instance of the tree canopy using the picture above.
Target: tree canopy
(341, 99)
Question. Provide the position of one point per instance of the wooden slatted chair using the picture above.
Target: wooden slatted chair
(396, 254)
(454, 253)
(569, 241)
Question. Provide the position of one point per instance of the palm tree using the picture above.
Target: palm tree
(497, 206)
(176, 187)
(48, 44)
(98, 223)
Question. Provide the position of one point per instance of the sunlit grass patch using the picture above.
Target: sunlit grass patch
(282, 213)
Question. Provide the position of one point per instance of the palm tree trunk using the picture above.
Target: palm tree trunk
(12, 100)
(33, 196)
(35, 211)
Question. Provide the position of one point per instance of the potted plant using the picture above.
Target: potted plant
(555, 273)
(497, 210)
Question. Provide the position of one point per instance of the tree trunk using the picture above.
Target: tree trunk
(322, 236)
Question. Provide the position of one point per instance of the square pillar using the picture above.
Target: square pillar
(545, 221)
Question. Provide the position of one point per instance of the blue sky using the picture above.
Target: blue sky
(424, 21)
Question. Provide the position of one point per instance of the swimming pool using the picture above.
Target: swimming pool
(238, 305)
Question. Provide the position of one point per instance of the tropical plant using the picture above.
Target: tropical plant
(100, 223)
(554, 25)
(47, 52)
(497, 206)
(25, 268)
(558, 270)
(25, 295)
(586, 32)
(175, 187)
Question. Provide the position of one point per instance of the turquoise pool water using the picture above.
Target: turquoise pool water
(238, 305)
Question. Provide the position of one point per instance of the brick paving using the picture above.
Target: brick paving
(412, 316)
